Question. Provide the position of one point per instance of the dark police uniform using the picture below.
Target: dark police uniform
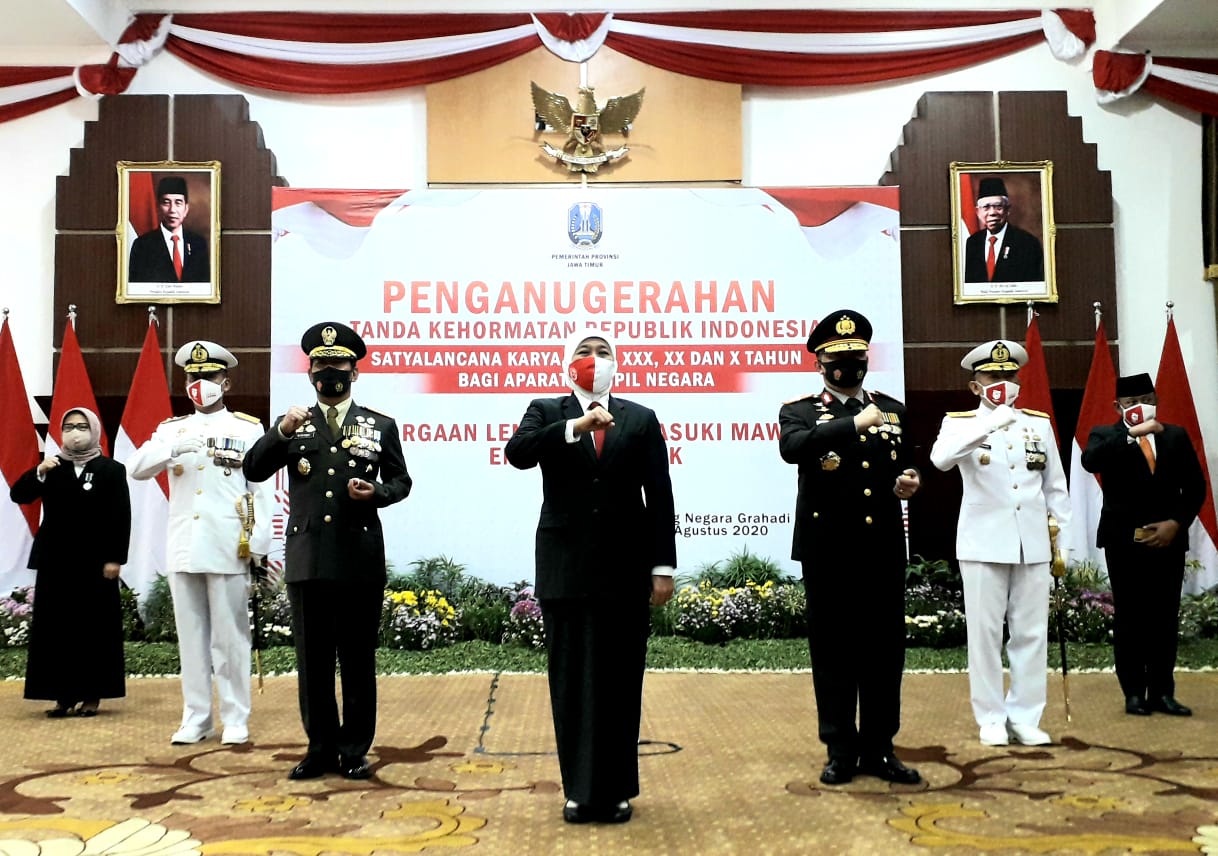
(850, 539)
(335, 553)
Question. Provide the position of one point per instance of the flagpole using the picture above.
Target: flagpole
(1031, 313)
(1099, 314)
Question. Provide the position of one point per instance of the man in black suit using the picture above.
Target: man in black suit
(169, 253)
(1153, 491)
(344, 463)
(1001, 252)
(605, 548)
(854, 470)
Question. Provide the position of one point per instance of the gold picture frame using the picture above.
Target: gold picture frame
(1003, 233)
(168, 232)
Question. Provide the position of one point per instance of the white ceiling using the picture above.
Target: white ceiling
(52, 32)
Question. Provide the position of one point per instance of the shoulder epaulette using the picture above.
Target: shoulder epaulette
(245, 416)
(802, 398)
(961, 414)
(374, 410)
(1032, 412)
(175, 418)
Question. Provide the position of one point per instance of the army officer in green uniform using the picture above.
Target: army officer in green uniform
(344, 463)
(854, 470)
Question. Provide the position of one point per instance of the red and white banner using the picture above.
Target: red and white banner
(72, 388)
(147, 407)
(18, 455)
(1086, 496)
(1176, 407)
(466, 297)
(1191, 82)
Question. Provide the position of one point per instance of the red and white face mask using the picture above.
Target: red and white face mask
(592, 374)
(1002, 392)
(1137, 414)
(204, 393)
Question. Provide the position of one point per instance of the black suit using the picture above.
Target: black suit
(151, 262)
(1020, 258)
(850, 539)
(335, 557)
(605, 524)
(1145, 581)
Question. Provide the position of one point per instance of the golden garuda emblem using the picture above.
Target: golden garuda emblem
(584, 124)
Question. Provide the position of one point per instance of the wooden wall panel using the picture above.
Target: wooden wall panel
(926, 291)
(138, 128)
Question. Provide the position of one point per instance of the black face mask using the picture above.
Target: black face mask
(331, 382)
(846, 372)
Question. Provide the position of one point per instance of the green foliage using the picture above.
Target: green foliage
(1199, 615)
(436, 573)
(133, 625)
(1085, 576)
(936, 572)
(737, 571)
(159, 624)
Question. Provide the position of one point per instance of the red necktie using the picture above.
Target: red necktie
(177, 256)
(989, 258)
(598, 437)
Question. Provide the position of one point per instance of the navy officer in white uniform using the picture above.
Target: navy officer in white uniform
(1013, 481)
(218, 522)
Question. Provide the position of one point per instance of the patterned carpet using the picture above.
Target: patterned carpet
(464, 765)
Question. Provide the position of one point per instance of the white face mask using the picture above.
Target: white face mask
(1137, 414)
(1002, 392)
(592, 374)
(204, 393)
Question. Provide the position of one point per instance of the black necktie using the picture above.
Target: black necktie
(853, 406)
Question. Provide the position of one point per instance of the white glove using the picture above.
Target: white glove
(187, 445)
(1000, 417)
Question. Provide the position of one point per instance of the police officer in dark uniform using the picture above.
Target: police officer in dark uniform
(344, 462)
(854, 469)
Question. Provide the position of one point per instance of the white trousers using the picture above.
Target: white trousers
(1020, 595)
(211, 611)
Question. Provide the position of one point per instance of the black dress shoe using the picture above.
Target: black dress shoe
(837, 772)
(314, 767)
(355, 767)
(58, 712)
(1136, 706)
(890, 769)
(1167, 704)
(619, 813)
(576, 813)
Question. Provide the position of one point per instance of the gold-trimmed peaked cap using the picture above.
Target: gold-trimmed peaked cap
(329, 339)
(841, 330)
(998, 355)
(198, 356)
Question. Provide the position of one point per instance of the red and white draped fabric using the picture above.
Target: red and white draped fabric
(1186, 81)
(342, 53)
(72, 388)
(1086, 496)
(147, 407)
(18, 455)
(1176, 408)
(333, 222)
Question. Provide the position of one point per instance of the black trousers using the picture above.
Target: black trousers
(1146, 613)
(337, 623)
(856, 637)
(597, 650)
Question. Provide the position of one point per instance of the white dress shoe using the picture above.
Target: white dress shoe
(1028, 735)
(234, 734)
(994, 735)
(187, 734)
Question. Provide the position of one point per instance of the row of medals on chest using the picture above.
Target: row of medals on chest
(227, 452)
(1034, 452)
(889, 429)
(361, 440)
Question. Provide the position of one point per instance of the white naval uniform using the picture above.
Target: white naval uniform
(1002, 544)
(208, 581)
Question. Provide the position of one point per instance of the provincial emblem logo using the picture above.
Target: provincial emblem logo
(585, 224)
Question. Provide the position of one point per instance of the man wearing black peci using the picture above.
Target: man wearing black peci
(344, 463)
(1153, 491)
(854, 470)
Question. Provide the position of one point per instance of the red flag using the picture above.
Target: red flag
(1034, 377)
(72, 389)
(1086, 499)
(18, 455)
(147, 407)
(1176, 407)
